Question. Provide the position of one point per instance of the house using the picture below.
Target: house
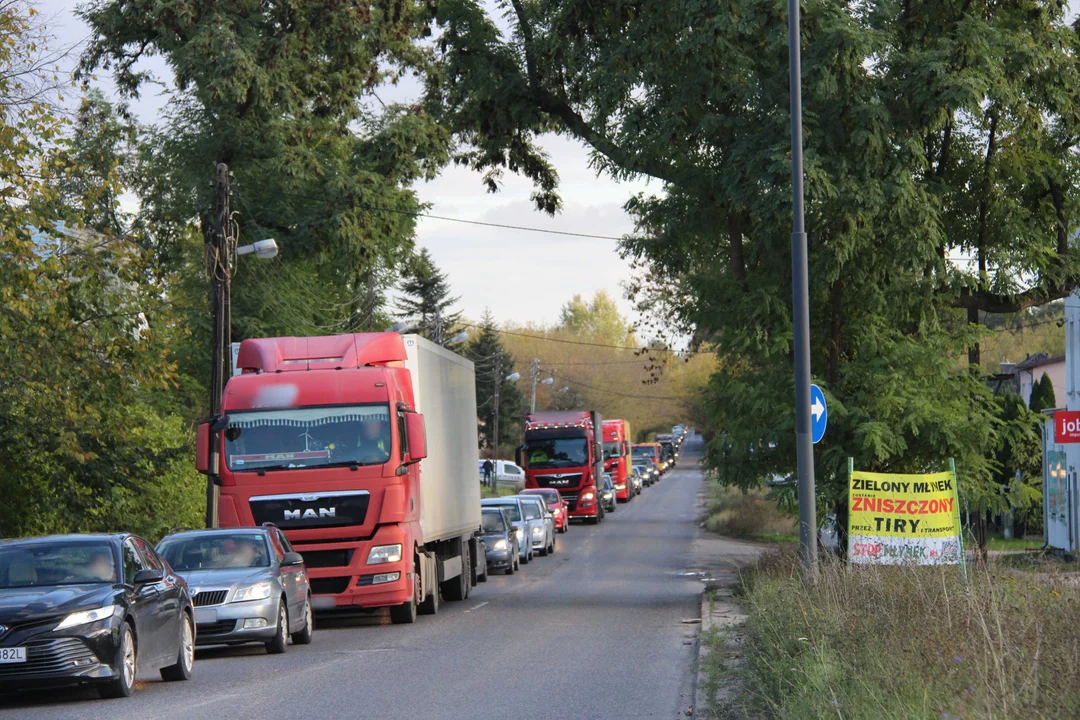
(1031, 370)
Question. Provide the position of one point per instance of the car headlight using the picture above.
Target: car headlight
(501, 545)
(384, 554)
(258, 591)
(84, 617)
(520, 533)
(537, 530)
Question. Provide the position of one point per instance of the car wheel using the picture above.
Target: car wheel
(125, 682)
(511, 567)
(276, 646)
(482, 578)
(185, 657)
(405, 613)
(524, 559)
(304, 636)
(551, 547)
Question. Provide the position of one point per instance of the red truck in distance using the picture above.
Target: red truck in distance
(617, 462)
(326, 438)
(562, 451)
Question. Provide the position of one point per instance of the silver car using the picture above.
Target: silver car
(543, 541)
(247, 585)
(523, 527)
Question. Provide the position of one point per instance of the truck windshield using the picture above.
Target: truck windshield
(642, 452)
(557, 452)
(612, 450)
(308, 437)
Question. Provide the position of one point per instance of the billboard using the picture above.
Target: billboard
(904, 519)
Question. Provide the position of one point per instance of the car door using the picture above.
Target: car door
(145, 606)
(170, 600)
(287, 575)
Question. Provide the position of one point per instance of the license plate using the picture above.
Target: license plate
(13, 655)
(205, 616)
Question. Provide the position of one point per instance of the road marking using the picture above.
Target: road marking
(477, 607)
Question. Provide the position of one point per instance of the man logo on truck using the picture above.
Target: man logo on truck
(310, 514)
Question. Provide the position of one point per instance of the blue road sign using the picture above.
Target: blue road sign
(819, 414)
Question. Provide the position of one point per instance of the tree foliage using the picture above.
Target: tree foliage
(493, 364)
(934, 131)
(1042, 394)
(425, 302)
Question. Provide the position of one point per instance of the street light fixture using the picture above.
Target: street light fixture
(262, 249)
(459, 338)
(513, 377)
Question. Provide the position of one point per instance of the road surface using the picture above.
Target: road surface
(595, 631)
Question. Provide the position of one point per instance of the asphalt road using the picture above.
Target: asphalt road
(594, 631)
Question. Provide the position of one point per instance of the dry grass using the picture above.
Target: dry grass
(753, 514)
(909, 642)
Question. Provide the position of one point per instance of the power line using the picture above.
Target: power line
(617, 392)
(417, 213)
(637, 349)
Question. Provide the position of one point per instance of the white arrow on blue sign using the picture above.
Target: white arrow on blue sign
(819, 414)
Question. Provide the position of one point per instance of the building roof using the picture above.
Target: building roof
(1038, 360)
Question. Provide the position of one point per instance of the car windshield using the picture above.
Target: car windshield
(551, 497)
(557, 452)
(532, 510)
(308, 437)
(514, 512)
(215, 551)
(492, 523)
(57, 563)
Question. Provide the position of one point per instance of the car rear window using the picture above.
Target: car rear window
(515, 514)
(532, 510)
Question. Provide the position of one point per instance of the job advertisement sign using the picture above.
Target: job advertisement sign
(904, 519)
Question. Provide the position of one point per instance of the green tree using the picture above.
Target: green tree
(426, 301)
(285, 94)
(599, 319)
(940, 180)
(1042, 395)
(493, 364)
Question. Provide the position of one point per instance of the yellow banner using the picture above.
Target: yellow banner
(903, 518)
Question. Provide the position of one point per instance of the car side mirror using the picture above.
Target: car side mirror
(292, 558)
(147, 577)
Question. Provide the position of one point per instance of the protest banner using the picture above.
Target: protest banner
(904, 519)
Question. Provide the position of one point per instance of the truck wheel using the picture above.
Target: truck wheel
(456, 589)
(405, 613)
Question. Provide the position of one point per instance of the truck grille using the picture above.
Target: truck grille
(571, 502)
(329, 586)
(209, 597)
(311, 510)
(558, 481)
(327, 558)
(222, 627)
(49, 657)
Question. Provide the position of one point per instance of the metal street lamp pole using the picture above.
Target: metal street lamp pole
(801, 308)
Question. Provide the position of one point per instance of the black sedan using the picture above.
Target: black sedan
(79, 609)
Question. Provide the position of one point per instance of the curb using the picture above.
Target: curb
(701, 702)
(722, 614)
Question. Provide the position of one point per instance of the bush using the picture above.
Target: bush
(746, 514)
(909, 642)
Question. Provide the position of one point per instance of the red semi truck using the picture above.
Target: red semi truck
(617, 457)
(362, 448)
(562, 451)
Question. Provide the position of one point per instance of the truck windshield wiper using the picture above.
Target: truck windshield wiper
(264, 468)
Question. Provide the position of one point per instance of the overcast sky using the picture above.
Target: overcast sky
(520, 276)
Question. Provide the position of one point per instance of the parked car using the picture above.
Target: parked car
(91, 609)
(497, 530)
(247, 585)
(522, 527)
(607, 494)
(505, 472)
(543, 541)
(555, 504)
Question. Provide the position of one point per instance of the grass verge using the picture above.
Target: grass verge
(752, 515)
(499, 491)
(908, 642)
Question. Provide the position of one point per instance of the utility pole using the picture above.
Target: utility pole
(801, 308)
(535, 379)
(219, 264)
(494, 444)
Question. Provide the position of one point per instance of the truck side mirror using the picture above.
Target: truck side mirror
(203, 448)
(417, 436)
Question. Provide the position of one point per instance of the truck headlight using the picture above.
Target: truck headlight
(258, 591)
(384, 554)
(587, 495)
